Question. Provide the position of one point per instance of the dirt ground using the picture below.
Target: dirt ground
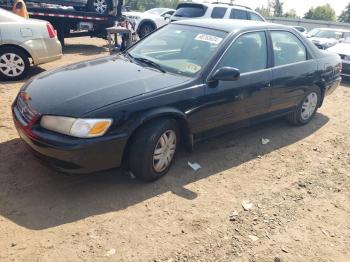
(299, 185)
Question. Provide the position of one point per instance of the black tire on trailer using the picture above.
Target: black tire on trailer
(99, 6)
(307, 108)
(14, 63)
(153, 148)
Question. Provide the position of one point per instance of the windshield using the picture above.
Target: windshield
(329, 34)
(156, 11)
(179, 49)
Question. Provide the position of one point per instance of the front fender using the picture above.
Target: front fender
(181, 118)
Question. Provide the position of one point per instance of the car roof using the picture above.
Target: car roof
(230, 25)
(226, 5)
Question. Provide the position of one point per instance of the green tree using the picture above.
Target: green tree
(277, 6)
(291, 14)
(323, 12)
(264, 11)
(345, 15)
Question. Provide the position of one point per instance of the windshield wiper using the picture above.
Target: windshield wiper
(128, 56)
(149, 62)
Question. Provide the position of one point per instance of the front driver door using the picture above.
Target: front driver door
(228, 102)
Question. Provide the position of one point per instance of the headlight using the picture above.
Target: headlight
(77, 127)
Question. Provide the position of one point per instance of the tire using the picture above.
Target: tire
(14, 63)
(145, 29)
(145, 154)
(99, 6)
(303, 114)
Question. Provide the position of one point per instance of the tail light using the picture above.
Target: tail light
(51, 31)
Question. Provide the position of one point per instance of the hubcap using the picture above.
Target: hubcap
(309, 106)
(100, 6)
(164, 151)
(11, 64)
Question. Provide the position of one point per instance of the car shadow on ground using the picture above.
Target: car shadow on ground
(84, 49)
(36, 197)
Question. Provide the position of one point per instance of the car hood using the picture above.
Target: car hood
(323, 41)
(342, 48)
(80, 88)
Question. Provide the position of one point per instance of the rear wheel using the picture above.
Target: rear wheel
(153, 149)
(99, 6)
(14, 63)
(306, 109)
(145, 29)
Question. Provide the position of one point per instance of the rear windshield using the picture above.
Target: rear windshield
(190, 10)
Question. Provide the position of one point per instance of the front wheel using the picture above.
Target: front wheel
(307, 109)
(14, 63)
(153, 149)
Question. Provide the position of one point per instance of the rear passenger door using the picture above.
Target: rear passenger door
(293, 72)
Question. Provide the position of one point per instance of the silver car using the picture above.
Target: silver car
(24, 42)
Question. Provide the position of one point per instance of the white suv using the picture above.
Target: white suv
(214, 10)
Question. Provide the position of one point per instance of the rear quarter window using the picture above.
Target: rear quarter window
(190, 10)
(255, 17)
(218, 12)
(238, 14)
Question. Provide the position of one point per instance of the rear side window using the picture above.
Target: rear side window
(218, 12)
(238, 14)
(248, 53)
(190, 10)
(255, 17)
(287, 48)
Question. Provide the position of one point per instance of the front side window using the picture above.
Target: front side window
(287, 48)
(179, 49)
(248, 53)
(255, 17)
(218, 12)
(238, 14)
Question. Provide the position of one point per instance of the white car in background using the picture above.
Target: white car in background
(150, 20)
(343, 50)
(24, 42)
(325, 38)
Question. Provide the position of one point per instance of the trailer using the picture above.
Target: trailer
(69, 22)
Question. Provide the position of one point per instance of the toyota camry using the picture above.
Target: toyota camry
(183, 82)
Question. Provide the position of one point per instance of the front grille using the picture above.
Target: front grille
(28, 114)
(342, 56)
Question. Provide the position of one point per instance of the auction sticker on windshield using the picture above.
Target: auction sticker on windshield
(209, 38)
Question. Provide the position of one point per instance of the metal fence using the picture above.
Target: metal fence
(308, 23)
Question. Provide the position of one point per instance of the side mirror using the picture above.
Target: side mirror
(167, 16)
(225, 74)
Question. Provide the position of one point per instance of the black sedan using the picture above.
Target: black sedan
(188, 80)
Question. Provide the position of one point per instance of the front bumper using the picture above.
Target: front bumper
(345, 68)
(72, 155)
